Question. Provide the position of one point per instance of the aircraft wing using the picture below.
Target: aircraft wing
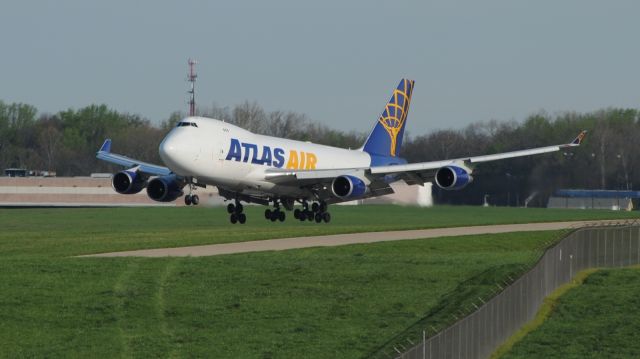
(412, 173)
(277, 175)
(424, 171)
(321, 181)
(105, 154)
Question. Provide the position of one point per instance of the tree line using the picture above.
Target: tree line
(66, 142)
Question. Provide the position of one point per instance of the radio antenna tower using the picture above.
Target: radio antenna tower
(191, 77)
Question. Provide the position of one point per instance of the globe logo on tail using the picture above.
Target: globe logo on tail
(395, 113)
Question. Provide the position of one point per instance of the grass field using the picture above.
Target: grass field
(63, 232)
(350, 301)
(598, 319)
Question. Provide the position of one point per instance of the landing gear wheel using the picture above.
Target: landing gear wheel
(314, 207)
(187, 200)
(231, 208)
(195, 200)
(267, 214)
(233, 218)
(296, 213)
(318, 218)
(242, 218)
(239, 207)
(274, 216)
(281, 216)
(326, 217)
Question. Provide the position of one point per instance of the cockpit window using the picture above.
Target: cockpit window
(184, 123)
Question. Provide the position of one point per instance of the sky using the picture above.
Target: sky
(335, 61)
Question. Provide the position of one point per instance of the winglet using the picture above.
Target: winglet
(578, 140)
(106, 146)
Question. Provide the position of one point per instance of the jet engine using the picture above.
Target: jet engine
(128, 182)
(453, 177)
(348, 187)
(164, 188)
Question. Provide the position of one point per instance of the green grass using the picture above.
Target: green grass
(61, 232)
(352, 301)
(548, 305)
(342, 302)
(598, 319)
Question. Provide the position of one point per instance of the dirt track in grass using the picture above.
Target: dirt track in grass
(342, 239)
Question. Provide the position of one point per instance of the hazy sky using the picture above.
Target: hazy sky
(336, 61)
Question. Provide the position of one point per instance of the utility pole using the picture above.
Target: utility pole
(191, 77)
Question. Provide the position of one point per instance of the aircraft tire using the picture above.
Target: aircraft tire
(318, 218)
(315, 207)
(326, 217)
(195, 200)
(281, 216)
(187, 200)
(231, 208)
(233, 218)
(267, 213)
(239, 208)
(323, 207)
(296, 213)
(242, 218)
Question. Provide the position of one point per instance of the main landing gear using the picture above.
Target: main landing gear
(318, 212)
(274, 215)
(235, 211)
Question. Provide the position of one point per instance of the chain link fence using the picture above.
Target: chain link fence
(479, 334)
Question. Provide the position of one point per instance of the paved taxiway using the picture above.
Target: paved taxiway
(342, 239)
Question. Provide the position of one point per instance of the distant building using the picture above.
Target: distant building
(23, 172)
(594, 199)
(16, 172)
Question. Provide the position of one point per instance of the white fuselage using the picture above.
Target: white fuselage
(218, 153)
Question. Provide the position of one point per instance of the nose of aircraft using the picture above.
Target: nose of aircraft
(170, 150)
(179, 151)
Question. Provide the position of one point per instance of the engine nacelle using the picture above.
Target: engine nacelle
(348, 187)
(165, 188)
(453, 177)
(128, 182)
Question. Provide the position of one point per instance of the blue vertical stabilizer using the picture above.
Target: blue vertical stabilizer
(383, 144)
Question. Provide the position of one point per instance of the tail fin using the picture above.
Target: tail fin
(106, 146)
(386, 137)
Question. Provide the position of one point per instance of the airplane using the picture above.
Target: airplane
(278, 172)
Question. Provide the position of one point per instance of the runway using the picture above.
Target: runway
(343, 239)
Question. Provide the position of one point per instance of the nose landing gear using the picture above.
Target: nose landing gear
(191, 199)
